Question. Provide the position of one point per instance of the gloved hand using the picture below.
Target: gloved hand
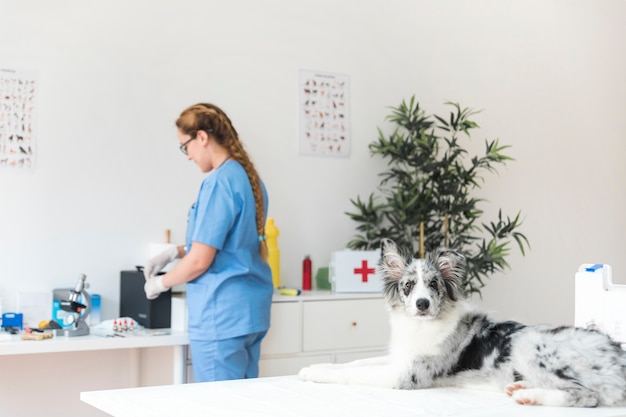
(158, 262)
(154, 286)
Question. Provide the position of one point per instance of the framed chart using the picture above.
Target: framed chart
(18, 90)
(324, 114)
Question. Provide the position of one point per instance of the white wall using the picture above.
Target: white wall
(114, 75)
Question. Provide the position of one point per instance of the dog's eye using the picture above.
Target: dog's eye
(408, 287)
(434, 284)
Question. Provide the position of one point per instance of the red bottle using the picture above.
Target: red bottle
(306, 273)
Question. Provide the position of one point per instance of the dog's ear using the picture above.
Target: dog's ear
(451, 266)
(391, 262)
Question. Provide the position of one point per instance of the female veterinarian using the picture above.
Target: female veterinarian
(229, 283)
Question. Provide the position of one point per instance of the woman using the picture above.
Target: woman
(229, 283)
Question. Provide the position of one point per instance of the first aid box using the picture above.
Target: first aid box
(355, 271)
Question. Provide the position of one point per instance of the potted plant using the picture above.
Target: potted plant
(425, 197)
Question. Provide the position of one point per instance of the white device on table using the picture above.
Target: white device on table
(599, 303)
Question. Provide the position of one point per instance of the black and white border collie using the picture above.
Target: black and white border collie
(438, 340)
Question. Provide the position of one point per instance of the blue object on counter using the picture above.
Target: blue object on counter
(95, 315)
(14, 320)
(594, 268)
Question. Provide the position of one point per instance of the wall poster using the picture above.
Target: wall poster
(18, 90)
(324, 114)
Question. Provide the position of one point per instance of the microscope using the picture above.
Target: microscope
(78, 305)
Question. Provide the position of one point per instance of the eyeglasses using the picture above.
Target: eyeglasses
(183, 147)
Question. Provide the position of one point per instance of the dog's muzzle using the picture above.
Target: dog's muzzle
(422, 305)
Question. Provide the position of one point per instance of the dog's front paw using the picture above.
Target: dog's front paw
(521, 394)
(515, 386)
(316, 373)
(525, 397)
(555, 397)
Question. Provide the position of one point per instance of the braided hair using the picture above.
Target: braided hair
(212, 119)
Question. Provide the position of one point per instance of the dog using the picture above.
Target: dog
(438, 339)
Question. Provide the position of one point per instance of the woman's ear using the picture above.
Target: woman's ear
(203, 136)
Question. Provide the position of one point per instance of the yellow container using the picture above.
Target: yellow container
(273, 253)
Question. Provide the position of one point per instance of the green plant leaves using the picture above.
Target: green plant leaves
(430, 174)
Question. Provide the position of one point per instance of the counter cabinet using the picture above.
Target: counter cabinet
(318, 327)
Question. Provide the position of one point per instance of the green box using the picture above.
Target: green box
(321, 279)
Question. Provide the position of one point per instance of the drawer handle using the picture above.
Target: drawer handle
(354, 324)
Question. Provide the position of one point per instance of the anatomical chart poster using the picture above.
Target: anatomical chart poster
(324, 114)
(18, 90)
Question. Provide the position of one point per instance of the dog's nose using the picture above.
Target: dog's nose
(422, 304)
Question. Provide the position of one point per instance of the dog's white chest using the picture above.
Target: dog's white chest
(411, 337)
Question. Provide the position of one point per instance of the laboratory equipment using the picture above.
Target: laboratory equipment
(78, 307)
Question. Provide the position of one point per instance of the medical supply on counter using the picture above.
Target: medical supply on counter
(289, 291)
(306, 274)
(33, 334)
(124, 324)
(273, 253)
(355, 271)
(12, 320)
(321, 279)
(49, 325)
(96, 315)
(117, 327)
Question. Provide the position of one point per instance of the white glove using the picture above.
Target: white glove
(158, 262)
(154, 286)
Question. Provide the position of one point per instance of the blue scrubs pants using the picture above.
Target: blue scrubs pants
(220, 360)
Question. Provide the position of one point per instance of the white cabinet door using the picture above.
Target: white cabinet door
(344, 324)
(285, 334)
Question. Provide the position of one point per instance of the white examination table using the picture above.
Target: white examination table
(290, 397)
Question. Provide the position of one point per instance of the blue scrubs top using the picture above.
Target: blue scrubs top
(233, 297)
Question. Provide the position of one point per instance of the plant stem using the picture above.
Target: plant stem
(445, 230)
(422, 239)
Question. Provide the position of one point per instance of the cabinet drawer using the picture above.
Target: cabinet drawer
(285, 334)
(344, 324)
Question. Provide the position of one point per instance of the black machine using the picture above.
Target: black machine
(152, 314)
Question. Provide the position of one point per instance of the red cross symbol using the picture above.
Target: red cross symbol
(364, 270)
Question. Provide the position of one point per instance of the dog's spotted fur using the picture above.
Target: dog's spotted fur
(437, 339)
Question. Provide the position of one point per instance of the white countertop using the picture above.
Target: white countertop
(290, 397)
(17, 346)
(316, 295)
